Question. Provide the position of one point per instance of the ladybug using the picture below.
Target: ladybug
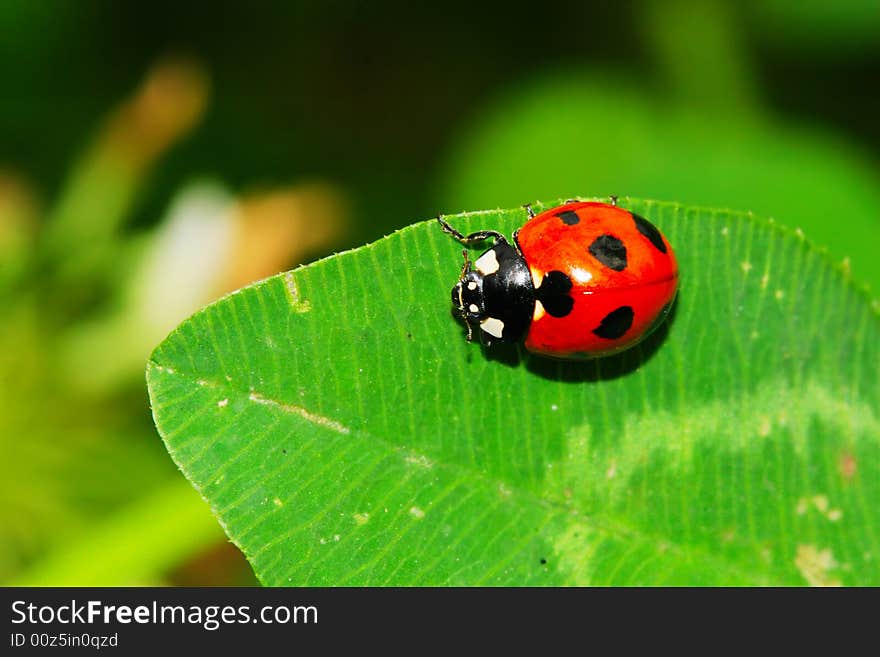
(582, 280)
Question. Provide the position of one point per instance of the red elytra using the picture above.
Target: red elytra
(642, 276)
(584, 280)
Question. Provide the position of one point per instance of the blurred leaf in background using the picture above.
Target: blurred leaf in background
(834, 30)
(700, 137)
(566, 134)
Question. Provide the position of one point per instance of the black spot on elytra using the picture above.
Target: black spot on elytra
(650, 231)
(554, 294)
(569, 217)
(610, 251)
(615, 323)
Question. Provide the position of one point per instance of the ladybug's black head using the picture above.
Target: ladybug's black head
(467, 297)
(495, 294)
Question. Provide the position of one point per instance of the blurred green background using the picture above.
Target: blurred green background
(154, 156)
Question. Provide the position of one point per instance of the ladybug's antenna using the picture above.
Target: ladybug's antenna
(479, 236)
(449, 229)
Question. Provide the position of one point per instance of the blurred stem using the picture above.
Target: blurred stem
(698, 48)
(97, 197)
(136, 546)
(18, 222)
(80, 233)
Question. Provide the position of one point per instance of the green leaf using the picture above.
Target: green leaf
(345, 434)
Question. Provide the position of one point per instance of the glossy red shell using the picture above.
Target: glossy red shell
(557, 240)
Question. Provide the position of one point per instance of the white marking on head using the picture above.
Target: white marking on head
(492, 326)
(472, 285)
(539, 311)
(487, 263)
(474, 308)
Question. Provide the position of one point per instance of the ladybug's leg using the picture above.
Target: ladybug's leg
(470, 330)
(516, 240)
(479, 236)
(466, 267)
(528, 208)
(572, 200)
(613, 200)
